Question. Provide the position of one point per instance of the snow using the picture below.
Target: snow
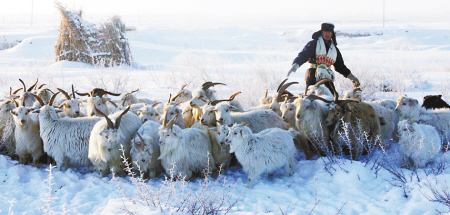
(412, 52)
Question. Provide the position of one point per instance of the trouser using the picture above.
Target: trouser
(310, 79)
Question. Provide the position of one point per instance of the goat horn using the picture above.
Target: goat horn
(281, 90)
(41, 86)
(165, 120)
(114, 104)
(38, 99)
(156, 104)
(49, 90)
(172, 121)
(64, 93)
(120, 117)
(143, 142)
(52, 99)
(282, 83)
(267, 91)
(173, 99)
(15, 102)
(234, 95)
(83, 94)
(134, 91)
(333, 88)
(73, 92)
(313, 97)
(215, 102)
(24, 87)
(207, 85)
(170, 96)
(31, 88)
(10, 91)
(108, 120)
(17, 91)
(182, 87)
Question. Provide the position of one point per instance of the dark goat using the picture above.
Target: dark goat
(433, 102)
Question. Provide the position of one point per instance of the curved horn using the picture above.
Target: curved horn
(108, 120)
(15, 103)
(173, 99)
(114, 104)
(134, 91)
(281, 90)
(333, 88)
(24, 87)
(41, 86)
(182, 87)
(101, 92)
(142, 146)
(234, 95)
(120, 117)
(64, 93)
(52, 99)
(38, 99)
(313, 97)
(83, 94)
(153, 105)
(207, 85)
(267, 91)
(282, 83)
(215, 102)
(31, 88)
(17, 91)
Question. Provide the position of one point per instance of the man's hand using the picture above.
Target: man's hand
(293, 69)
(354, 80)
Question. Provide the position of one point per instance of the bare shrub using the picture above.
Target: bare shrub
(176, 194)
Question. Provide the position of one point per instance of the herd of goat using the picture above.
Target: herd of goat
(194, 130)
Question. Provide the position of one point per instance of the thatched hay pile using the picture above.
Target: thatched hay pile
(79, 40)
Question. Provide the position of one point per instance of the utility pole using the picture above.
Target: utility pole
(32, 13)
(384, 8)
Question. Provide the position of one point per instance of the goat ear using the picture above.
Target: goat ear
(139, 112)
(233, 108)
(413, 102)
(13, 113)
(245, 136)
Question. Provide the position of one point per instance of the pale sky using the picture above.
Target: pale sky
(180, 11)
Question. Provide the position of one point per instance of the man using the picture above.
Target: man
(321, 53)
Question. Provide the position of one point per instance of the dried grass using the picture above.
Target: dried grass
(79, 40)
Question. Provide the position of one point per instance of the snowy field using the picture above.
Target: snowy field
(410, 55)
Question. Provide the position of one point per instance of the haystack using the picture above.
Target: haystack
(79, 40)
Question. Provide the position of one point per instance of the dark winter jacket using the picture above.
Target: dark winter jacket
(309, 54)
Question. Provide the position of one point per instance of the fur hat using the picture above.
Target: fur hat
(326, 26)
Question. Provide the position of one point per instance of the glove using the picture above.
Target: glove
(293, 69)
(354, 80)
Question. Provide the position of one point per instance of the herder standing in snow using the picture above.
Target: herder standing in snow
(321, 53)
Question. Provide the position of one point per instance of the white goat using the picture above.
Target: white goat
(311, 114)
(66, 140)
(71, 106)
(127, 99)
(184, 151)
(145, 149)
(25, 97)
(288, 113)
(258, 120)
(106, 140)
(26, 134)
(97, 101)
(419, 143)
(266, 151)
(148, 112)
(182, 95)
(7, 127)
(408, 108)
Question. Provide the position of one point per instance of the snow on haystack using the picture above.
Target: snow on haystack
(79, 40)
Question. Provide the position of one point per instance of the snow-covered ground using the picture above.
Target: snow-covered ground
(411, 57)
